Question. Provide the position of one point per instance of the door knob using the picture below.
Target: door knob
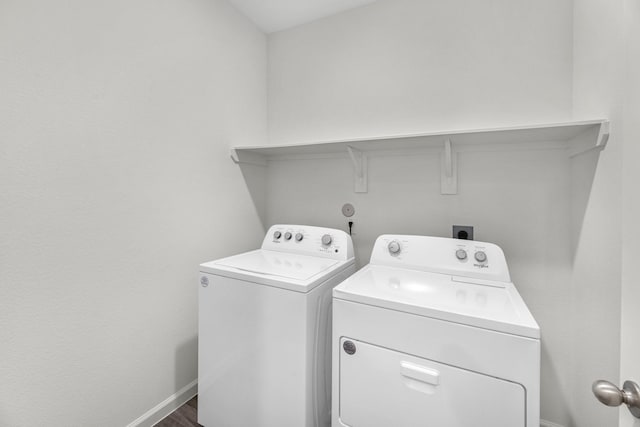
(611, 395)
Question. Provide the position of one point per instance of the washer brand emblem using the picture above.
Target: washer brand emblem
(204, 281)
(349, 347)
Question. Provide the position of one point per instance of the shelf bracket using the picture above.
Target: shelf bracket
(240, 156)
(359, 160)
(603, 134)
(449, 170)
(584, 142)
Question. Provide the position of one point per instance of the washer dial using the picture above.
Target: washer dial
(480, 256)
(461, 254)
(326, 240)
(394, 247)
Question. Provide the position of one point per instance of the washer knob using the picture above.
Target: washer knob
(299, 237)
(461, 254)
(326, 239)
(480, 256)
(287, 235)
(277, 235)
(394, 247)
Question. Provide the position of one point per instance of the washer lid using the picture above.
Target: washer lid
(277, 264)
(489, 305)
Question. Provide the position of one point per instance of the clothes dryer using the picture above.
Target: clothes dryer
(434, 333)
(264, 345)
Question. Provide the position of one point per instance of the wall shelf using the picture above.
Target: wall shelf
(573, 137)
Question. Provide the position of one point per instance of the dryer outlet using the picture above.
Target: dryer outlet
(463, 232)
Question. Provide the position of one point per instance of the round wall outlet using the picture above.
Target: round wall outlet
(348, 210)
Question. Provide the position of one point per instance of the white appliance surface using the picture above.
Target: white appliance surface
(433, 332)
(496, 306)
(289, 263)
(426, 390)
(279, 264)
(264, 337)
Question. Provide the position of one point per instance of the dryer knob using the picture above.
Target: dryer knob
(481, 256)
(326, 240)
(277, 235)
(299, 237)
(394, 247)
(287, 236)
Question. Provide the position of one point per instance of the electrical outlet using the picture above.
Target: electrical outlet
(463, 232)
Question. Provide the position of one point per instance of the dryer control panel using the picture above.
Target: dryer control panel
(309, 240)
(463, 258)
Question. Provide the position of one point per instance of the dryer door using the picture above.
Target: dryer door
(380, 388)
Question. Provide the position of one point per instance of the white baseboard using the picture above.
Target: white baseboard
(173, 402)
(167, 406)
(545, 423)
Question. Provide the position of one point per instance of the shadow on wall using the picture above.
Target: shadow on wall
(186, 362)
(596, 278)
(583, 171)
(255, 176)
(552, 377)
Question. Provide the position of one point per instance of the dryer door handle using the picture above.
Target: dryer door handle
(420, 373)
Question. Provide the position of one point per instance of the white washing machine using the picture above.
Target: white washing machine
(433, 333)
(264, 345)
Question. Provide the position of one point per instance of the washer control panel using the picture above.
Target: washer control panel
(309, 240)
(479, 259)
(461, 258)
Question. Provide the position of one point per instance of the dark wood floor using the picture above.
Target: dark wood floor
(184, 416)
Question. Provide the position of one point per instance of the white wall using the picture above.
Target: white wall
(598, 88)
(630, 348)
(404, 66)
(115, 182)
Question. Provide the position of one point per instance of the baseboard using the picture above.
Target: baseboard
(545, 423)
(167, 406)
(173, 402)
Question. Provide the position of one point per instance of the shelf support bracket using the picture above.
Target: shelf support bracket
(603, 134)
(449, 170)
(359, 160)
(583, 143)
(240, 156)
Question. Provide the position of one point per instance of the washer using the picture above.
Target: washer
(264, 345)
(433, 333)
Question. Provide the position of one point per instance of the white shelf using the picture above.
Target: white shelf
(575, 137)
